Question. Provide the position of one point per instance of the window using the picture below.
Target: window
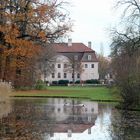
(75, 57)
(59, 75)
(65, 75)
(86, 65)
(59, 65)
(92, 65)
(53, 75)
(65, 65)
(72, 75)
(78, 75)
(52, 65)
(89, 57)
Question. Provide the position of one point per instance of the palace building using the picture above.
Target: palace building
(73, 61)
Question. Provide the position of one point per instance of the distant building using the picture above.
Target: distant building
(74, 61)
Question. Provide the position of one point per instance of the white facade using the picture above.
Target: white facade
(90, 109)
(89, 71)
(59, 71)
(74, 62)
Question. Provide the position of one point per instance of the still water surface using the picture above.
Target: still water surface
(66, 119)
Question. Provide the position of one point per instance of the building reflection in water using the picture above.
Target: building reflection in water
(53, 119)
(73, 116)
(36, 119)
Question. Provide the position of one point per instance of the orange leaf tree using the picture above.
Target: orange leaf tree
(25, 26)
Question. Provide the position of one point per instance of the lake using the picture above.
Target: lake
(66, 119)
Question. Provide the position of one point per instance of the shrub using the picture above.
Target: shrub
(54, 82)
(92, 81)
(40, 85)
(77, 82)
(63, 82)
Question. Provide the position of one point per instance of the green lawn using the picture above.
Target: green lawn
(93, 93)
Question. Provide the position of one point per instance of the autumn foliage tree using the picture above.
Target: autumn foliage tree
(24, 26)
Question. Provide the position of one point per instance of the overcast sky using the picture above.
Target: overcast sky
(92, 21)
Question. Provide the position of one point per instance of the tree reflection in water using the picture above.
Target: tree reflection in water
(25, 122)
(5, 104)
(5, 108)
(125, 125)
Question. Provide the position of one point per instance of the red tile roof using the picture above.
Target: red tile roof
(76, 128)
(76, 47)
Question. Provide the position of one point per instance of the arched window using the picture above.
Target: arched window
(89, 57)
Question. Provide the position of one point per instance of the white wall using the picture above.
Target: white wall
(60, 60)
(89, 109)
(88, 73)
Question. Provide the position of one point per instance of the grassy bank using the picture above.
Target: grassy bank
(92, 93)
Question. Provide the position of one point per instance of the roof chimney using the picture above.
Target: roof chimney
(69, 42)
(89, 44)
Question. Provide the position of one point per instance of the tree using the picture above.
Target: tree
(74, 66)
(104, 66)
(126, 55)
(126, 65)
(46, 61)
(24, 26)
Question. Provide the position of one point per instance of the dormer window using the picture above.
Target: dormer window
(89, 57)
(76, 57)
(53, 65)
